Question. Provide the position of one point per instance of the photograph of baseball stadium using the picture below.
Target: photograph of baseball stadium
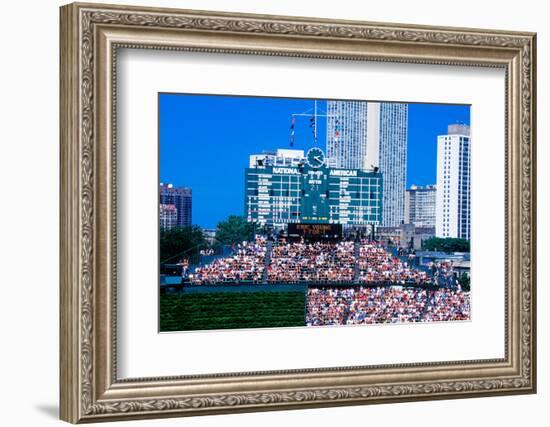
(292, 212)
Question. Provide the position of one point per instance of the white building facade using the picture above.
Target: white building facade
(453, 183)
(372, 136)
(420, 205)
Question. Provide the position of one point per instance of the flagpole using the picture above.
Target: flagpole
(313, 115)
(315, 124)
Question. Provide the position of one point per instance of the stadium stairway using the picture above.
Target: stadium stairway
(267, 261)
(428, 304)
(356, 254)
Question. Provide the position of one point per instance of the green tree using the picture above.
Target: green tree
(449, 244)
(234, 229)
(181, 242)
(464, 282)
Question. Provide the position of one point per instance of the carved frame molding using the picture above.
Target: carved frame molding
(90, 37)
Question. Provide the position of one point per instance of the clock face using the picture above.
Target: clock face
(315, 157)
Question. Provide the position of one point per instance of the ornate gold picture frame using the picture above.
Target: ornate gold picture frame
(90, 36)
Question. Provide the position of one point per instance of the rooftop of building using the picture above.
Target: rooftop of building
(420, 187)
(458, 129)
(173, 189)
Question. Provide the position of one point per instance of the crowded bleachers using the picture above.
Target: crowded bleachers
(319, 262)
(370, 285)
(447, 304)
(394, 304)
(376, 265)
(246, 264)
(308, 262)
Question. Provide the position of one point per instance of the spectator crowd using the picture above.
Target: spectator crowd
(394, 304)
(323, 262)
(446, 304)
(307, 262)
(386, 288)
(377, 265)
(246, 264)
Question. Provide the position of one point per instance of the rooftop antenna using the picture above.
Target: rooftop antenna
(313, 115)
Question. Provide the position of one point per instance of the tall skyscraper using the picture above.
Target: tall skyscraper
(420, 206)
(347, 133)
(393, 161)
(181, 198)
(372, 135)
(453, 183)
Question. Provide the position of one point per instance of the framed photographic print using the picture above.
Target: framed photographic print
(328, 234)
(266, 212)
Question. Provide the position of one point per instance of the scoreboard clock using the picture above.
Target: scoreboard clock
(312, 193)
(315, 157)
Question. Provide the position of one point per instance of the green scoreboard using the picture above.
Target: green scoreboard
(312, 193)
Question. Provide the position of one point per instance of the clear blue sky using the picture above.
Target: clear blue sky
(205, 141)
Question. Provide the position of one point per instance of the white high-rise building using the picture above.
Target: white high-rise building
(372, 135)
(452, 217)
(420, 206)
